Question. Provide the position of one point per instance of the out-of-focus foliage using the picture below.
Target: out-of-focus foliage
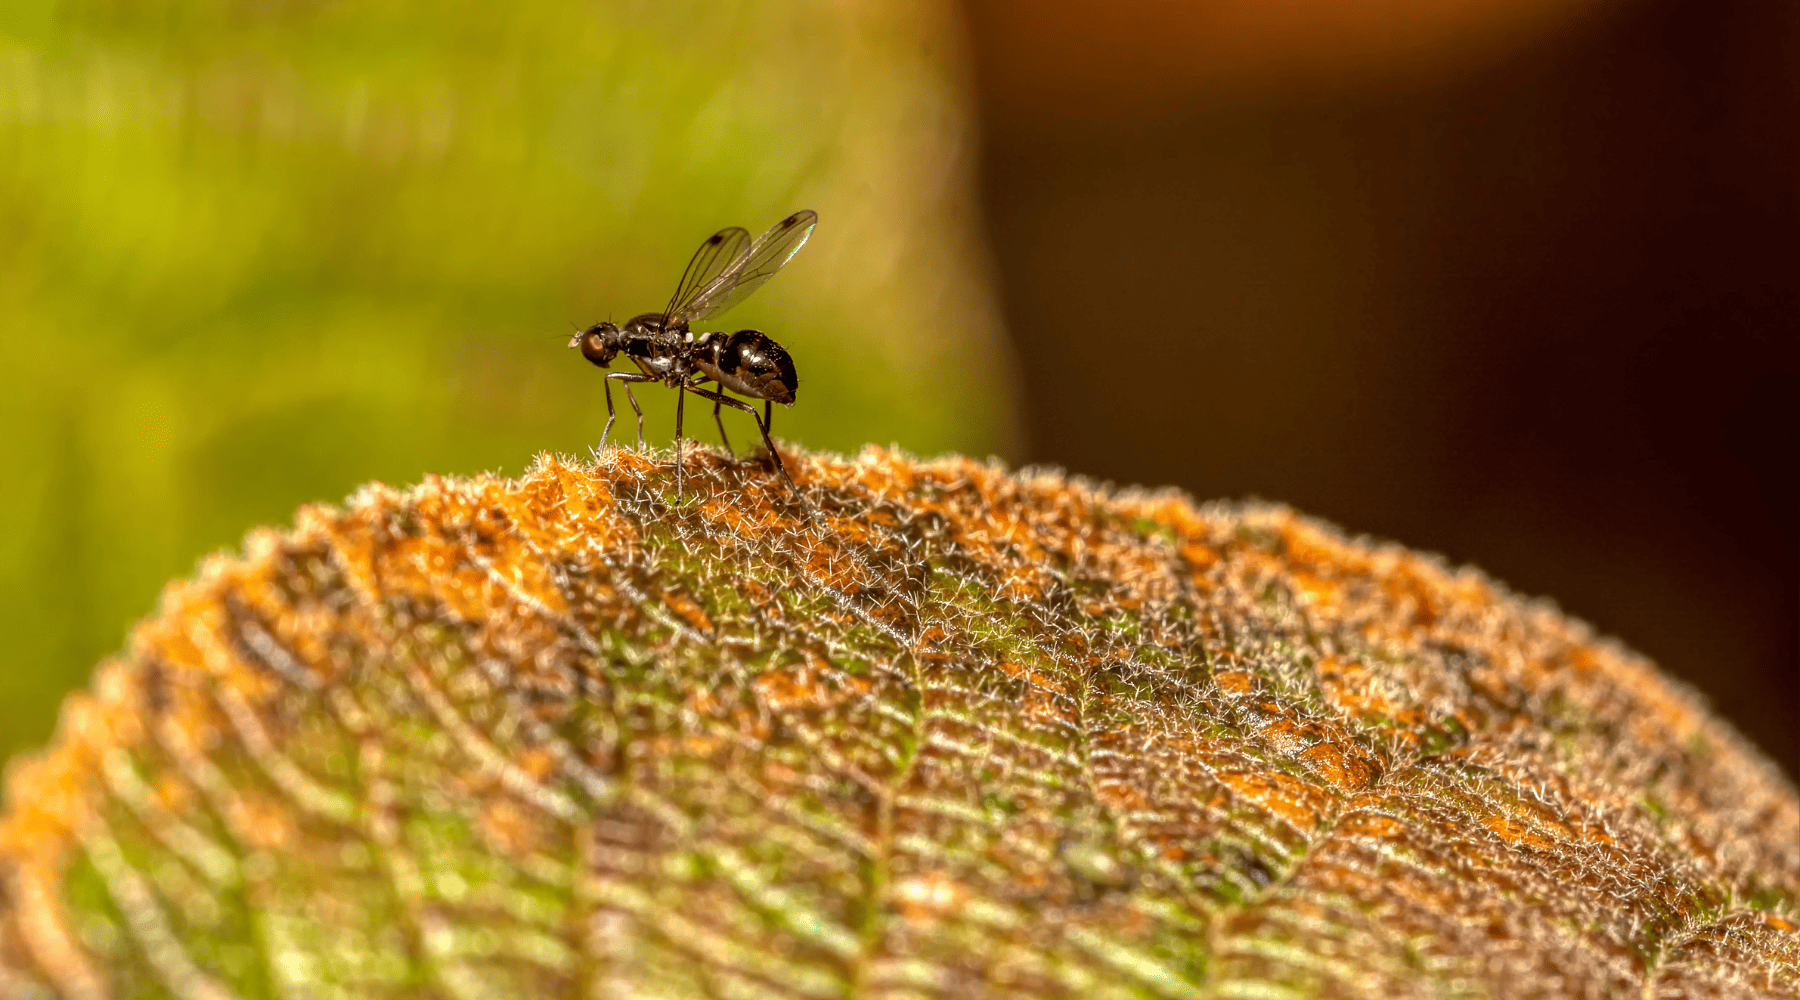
(253, 254)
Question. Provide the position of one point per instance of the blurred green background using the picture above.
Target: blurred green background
(252, 255)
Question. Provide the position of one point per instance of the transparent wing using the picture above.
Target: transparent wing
(718, 255)
(771, 251)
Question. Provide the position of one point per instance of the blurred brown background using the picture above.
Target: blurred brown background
(1514, 280)
(1509, 279)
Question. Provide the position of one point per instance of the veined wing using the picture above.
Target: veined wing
(771, 251)
(721, 252)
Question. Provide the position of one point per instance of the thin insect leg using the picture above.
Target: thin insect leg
(718, 397)
(768, 419)
(680, 397)
(721, 422)
(611, 415)
(640, 416)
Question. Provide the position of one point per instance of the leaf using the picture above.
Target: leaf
(943, 730)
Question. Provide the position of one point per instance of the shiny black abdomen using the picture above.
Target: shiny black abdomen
(750, 364)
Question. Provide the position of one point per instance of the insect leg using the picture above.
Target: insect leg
(640, 416)
(719, 397)
(768, 420)
(721, 422)
(610, 415)
(680, 398)
(624, 377)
